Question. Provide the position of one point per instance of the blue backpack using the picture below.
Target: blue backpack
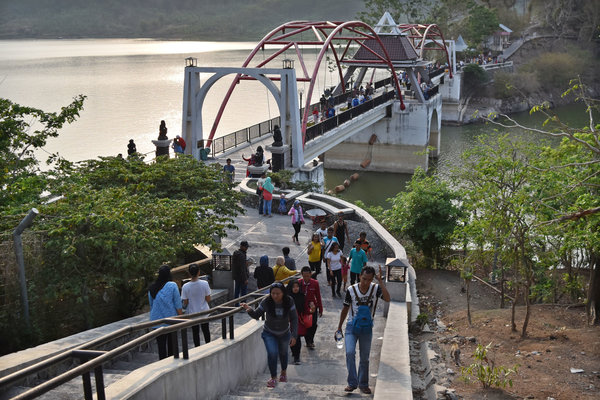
(362, 322)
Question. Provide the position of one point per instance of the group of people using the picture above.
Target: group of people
(166, 301)
(291, 311)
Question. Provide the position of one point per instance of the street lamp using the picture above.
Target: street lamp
(301, 91)
(191, 62)
(288, 63)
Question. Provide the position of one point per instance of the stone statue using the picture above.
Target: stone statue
(277, 138)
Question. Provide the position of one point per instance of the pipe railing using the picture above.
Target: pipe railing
(92, 360)
(246, 135)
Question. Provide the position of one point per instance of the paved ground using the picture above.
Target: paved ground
(322, 373)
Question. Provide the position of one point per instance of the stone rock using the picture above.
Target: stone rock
(472, 339)
(576, 370)
(450, 371)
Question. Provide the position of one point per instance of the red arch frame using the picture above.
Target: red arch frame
(420, 33)
(282, 36)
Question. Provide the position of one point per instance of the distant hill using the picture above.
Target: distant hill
(170, 19)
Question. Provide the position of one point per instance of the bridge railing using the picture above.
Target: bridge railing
(338, 119)
(234, 139)
(224, 143)
(92, 360)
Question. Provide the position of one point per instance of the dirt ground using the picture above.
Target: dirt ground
(558, 341)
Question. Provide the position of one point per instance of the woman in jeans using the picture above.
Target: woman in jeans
(165, 302)
(297, 220)
(334, 263)
(280, 329)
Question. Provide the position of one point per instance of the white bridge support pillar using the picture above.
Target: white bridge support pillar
(402, 140)
(195, 91)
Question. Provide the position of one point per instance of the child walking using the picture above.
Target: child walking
(282, 205)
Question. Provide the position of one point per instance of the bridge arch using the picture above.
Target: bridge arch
(289, 37)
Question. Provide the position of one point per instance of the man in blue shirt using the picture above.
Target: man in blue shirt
(229, 170)
(357, 260)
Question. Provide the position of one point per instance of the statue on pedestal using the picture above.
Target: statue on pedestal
(277, 138)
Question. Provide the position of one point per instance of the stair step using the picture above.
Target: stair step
(288, 390)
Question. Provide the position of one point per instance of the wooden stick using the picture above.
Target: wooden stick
(490, 286)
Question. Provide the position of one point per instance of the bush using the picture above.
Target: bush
(555, 70)
(510, 85)
(474, 76)
(484, 370)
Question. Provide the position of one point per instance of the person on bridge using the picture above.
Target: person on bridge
(229, 170)
(365, 245)
(239, 270)
(358, 260)
(340, 227)
(313, 301)
(297, 220)
(165, 302)
(328, 241)
(290, 263)
(263, 273)
(361, 299)
(280, 270)
(196, 296)
(280, 329)
(267, 194)
(293, 290)
(334, 263)
(314, 254)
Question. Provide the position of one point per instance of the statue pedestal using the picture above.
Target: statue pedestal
(278, 159)
(162, 147)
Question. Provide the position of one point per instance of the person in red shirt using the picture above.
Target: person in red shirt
(312, 294)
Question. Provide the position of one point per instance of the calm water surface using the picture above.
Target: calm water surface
(133, 84)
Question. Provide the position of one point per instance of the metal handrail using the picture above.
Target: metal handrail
(226, 142)
(98, 357)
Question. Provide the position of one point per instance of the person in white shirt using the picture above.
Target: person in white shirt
(195, 295)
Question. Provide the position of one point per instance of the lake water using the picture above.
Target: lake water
(133, 84)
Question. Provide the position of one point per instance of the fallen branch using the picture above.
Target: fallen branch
(491, 287)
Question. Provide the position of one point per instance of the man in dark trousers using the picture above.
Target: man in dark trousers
(239, 270)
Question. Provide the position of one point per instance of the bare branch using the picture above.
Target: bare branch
(572, 217)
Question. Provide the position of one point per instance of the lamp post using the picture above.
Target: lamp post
(288, 63)
(301, 91)
(191, 62)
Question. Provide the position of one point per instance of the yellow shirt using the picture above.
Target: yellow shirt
(282, 272)
(315, 254)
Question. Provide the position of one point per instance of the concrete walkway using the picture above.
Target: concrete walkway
(322, 372)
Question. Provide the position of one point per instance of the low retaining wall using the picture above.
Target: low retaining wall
(211, 370)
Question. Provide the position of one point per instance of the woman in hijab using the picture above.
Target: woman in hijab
(165, 302)
(280, 329)
(297, 220)
(299, 301)
(267, 194)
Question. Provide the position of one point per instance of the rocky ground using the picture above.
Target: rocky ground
(559, 359)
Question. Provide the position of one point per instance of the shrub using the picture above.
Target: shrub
(484, 370)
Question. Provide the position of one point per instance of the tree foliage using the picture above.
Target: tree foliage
(23, 131)
(481, 23)
(426, 213)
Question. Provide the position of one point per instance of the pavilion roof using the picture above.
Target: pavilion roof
(398, 47)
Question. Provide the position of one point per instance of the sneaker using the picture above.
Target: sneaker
(297, 361)
(365, 390)
(283, 378)
(311, 346)
(349, 389)
(272, 383)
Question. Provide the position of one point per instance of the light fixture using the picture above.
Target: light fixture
(191, 62)
(288, 63)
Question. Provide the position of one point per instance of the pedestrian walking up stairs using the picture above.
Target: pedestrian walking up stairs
(322, 371)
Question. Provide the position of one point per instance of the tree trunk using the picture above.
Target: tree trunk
(513, 325)
(527, 309)
(468, 283)
(502, 304)
(593, 298)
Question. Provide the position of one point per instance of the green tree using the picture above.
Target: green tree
(481, 23)
(119, 219)
(23, 130)
(568, 185)
(427, 213)
(497, 179)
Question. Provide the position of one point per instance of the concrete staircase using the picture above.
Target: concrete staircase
(114, 371)
(322, 373)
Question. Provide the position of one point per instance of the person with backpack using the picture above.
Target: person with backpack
(361, 300)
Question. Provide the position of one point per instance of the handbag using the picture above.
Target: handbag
(306, 320)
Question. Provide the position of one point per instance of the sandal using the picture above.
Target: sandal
(349, 388)
(365, 390)
(272, 383)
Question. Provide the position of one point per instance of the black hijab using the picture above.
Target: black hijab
(164, 276)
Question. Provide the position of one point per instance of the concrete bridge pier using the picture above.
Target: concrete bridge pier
(402, 140)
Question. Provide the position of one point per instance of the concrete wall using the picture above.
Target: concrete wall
(211, 371)
(401, 140)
